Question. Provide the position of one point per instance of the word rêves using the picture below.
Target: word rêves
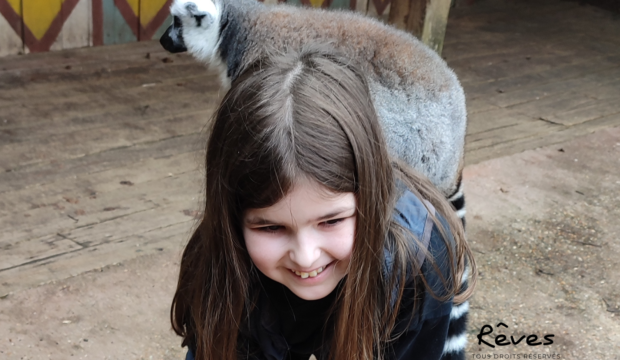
(501, 340)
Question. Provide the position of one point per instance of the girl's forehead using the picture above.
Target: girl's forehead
(307, 184)
(307, 199)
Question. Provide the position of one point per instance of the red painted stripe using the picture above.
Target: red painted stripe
(52, 32)
(97, 7)
(132, 19)
(146, 33)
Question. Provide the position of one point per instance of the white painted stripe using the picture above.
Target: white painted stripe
(459, 310)
(455, 344)
(461, 213)
(10, 42)
(77, 29)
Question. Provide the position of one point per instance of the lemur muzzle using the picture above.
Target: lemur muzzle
(172, 39)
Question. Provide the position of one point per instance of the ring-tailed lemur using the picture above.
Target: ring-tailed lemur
(419, 100)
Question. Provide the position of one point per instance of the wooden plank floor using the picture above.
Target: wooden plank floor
(99, 158)
(534, 72)
(101, 148)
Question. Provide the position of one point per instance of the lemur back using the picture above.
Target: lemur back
(418, 99)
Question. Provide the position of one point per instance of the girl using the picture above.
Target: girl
(314, 243)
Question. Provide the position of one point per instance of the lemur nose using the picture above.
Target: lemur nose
(172, 42)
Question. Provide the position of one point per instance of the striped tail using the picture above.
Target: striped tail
(458, 201)
(454, 348)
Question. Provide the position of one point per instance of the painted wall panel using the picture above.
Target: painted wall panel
(361, 6)
(78, 26)
(120, 21)
(342, 4)
(154, 18)
(43, 22)
(39, 15)
(379, 9)
(10, 27)
(43, 25)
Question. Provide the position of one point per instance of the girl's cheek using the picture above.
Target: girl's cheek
(262, 247)
(341, 242)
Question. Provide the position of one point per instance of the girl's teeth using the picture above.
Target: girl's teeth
(312, 273)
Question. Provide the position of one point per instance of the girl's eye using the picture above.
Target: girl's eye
(332, 222)
(272, 228)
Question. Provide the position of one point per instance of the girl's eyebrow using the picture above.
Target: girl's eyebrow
(257, 220)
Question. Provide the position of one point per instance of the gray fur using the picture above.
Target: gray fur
(425, 133)
(233, 44)
(419, 100)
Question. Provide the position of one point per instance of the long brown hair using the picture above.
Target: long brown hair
(303, 114)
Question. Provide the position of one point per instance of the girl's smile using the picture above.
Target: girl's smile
(305, 240)
(312, 277)
(310, 273)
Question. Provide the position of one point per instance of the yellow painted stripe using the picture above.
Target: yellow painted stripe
(148, 10)
(316, 3)
(39, 14)
(16, 5)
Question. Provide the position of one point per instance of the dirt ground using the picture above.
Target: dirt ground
(543, 225)
(544, 228)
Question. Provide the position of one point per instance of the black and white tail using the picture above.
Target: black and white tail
(454, 348)
(458, 201)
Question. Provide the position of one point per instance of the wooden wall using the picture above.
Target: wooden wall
(44, 25)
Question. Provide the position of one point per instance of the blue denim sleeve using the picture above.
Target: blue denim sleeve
(190, 354)
(424, 334)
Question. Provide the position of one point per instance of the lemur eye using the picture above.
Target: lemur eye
(199, 19)
(177, 22)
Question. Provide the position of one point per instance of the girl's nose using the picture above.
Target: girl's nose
(305, 251)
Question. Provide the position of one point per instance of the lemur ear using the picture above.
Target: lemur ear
(191, 8)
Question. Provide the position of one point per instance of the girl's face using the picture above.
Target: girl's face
(305, 240)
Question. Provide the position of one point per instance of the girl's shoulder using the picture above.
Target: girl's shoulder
(412, 213)
(431, 248)
(415, 215)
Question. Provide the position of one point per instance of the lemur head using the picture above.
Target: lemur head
(195, 27)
